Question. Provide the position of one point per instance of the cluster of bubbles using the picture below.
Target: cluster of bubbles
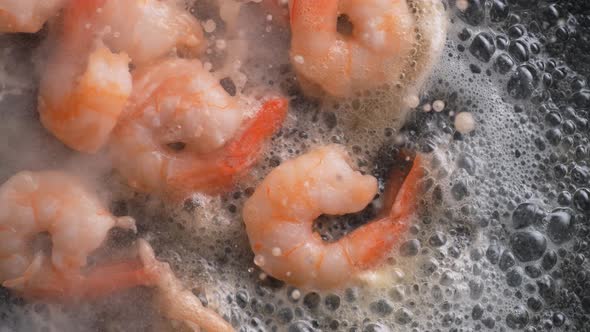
(500, 242)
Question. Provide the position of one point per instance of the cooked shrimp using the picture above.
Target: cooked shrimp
(27, 15)
(342, 63)
(175, 301)
(183, 132)
(57, 204)
(348, 46)
(279, 218)
(86, 83)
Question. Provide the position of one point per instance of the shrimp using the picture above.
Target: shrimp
(348, 46)
(52, 202)
(183, 132)
(280, 214)
(58, 204)
(175, 301)
(87, 82)
(27, 15)
(342, 63)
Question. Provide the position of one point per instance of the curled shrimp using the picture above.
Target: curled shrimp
(61, 206)
(279, 218)
(348, 46)
(87, 81)
(27, 15)
(175, 301)
(183, 132)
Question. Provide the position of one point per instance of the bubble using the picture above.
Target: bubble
(559, 226)
(581, 199)
(464, 122)
(472, 11)
(519, 50)
(437, 239)
(581, 98)
(276, 251)
(580, 174)
(242, 298)
(558, 319)
(518, 318)
(528, 245)
(311, 300)
(516, 31)
(503, 63)
(381, 307)
(534, 304)
(506, 260)
(493, 254)
(499, 10)
(285, 315)
(514, 277)
(549, 260)
(209, 26)
(533, 271)
(477, 312)
(523, 82)
(527, 214)
(467, 163)
(462, 5)
(438, 105)
(527, 155)
(259, 260)
(332, 302)
(299, 59)
(488, 322)
(410, 248)
(295, 294)
(482, 47)
(403, 316)
(546, 286)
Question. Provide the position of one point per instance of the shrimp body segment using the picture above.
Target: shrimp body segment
(183, 132)
(59, 205)
(27, 15)
(371, 54)
(279, 218)
(87, 81)
(148, 29)
(82, 111)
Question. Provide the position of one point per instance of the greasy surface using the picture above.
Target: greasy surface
(501, 237)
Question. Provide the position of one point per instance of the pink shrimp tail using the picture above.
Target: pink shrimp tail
(370, 244)
(238, 156)
(242, 151)
(100, 282)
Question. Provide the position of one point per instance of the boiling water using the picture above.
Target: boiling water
(501, 237)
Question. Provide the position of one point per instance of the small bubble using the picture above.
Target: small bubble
(299, 59)
(295, 294)
(438, 105)
(209, 26)
(464, 122)
(276, 251)
(462, 5)
(259, 260)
